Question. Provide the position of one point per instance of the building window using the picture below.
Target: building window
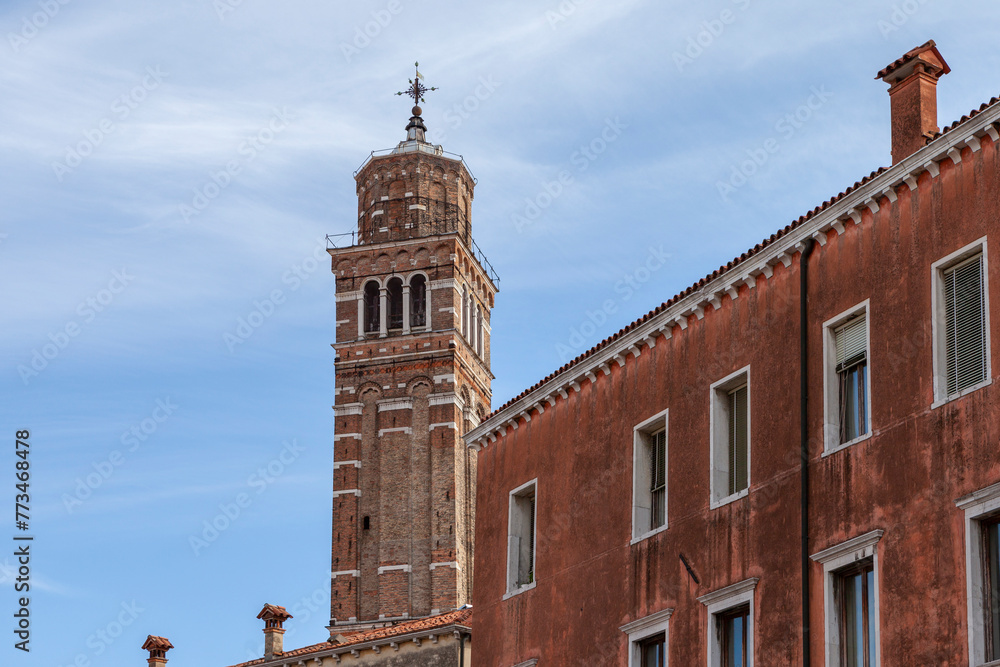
(961, 322)
(647, 640)
(521, 539)
(649, 477)
(851, 607)
(991, 591)
(982, 571)
(730, 627)
(856, 599)
(418, 301)
(652, 651)
(394, 290)
(372, 299)
(730, 437)
(847, 379)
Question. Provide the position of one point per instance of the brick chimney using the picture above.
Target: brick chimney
(157, 647)
(913, 98)
(274, 616)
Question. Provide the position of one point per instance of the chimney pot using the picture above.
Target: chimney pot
(157, 647)
(274, 618)
(912, 83)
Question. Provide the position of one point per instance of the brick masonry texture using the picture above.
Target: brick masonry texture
(404, 399)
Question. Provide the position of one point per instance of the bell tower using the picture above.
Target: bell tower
(414, 297)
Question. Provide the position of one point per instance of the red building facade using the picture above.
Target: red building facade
(795, 461)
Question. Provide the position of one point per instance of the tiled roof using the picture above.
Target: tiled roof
(737, 260)
(154, 643)
(274, 611)
(458, 617)
(910, 55)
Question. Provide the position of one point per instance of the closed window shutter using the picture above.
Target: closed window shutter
(852, 343)
(738, 440)
(965, 324)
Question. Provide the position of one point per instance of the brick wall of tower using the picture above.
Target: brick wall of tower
(404, 399)
(414, 195)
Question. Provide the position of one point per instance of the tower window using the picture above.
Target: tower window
(418, 301)
(367, 523)
(395, 293)
(372, 314)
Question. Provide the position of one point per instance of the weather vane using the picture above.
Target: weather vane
(417, 88)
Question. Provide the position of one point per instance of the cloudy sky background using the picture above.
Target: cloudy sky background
(116, 114)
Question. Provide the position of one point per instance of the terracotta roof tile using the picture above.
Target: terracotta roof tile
(457, 617)
(910, 55)
(742, 258)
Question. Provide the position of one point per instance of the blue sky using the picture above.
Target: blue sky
(167, 326)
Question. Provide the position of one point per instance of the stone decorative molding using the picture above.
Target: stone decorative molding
(399, 429)
(858, 545)
(740, 588)
(345, 573)
(391, 568)
(451, 564)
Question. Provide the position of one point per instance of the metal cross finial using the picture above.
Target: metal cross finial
(417, 88)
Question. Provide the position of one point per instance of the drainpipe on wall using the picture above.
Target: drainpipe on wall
(804, 438)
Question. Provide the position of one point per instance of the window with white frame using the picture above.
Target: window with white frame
(982, 571)
(521, 538)
(847, 377)
(647, 639)
(730, 625)
(851, 601)
(649, 476)
(730, 437)
(961, 322)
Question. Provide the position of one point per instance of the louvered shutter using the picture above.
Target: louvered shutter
(965, 324)
(738, 440)
(852, 343)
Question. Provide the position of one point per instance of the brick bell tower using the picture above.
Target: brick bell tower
(414, 297)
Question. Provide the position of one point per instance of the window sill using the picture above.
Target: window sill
(716, 504)
(954, 397)
(518, 591)
(834, 450)
(647, 535)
